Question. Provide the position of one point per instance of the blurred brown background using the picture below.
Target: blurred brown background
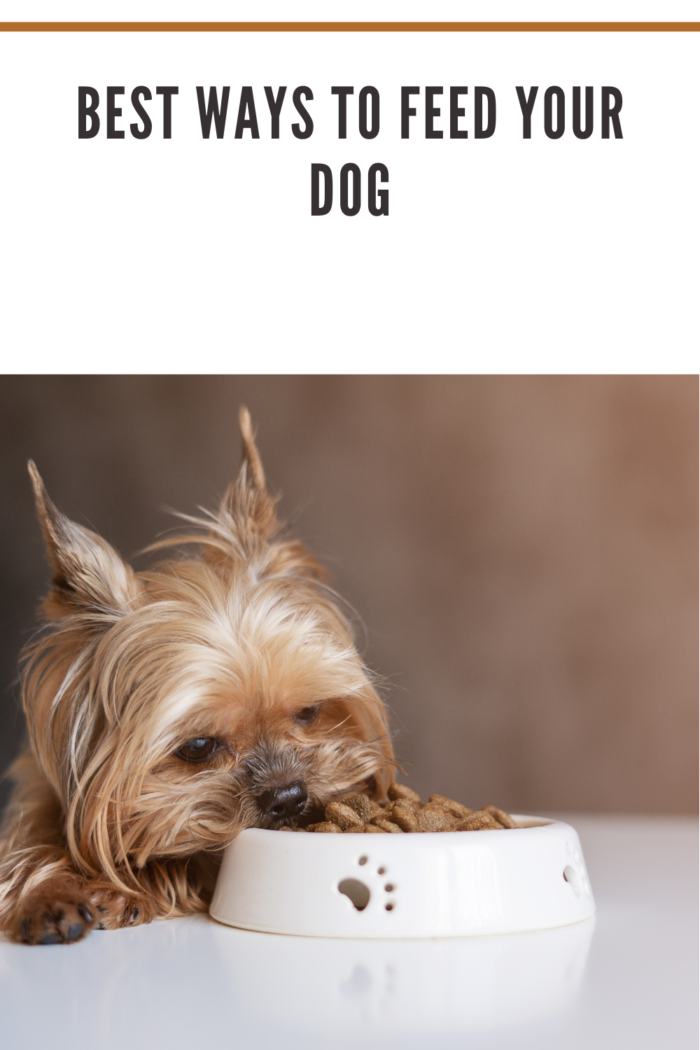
(523, 552)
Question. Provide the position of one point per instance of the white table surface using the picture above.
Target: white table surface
(626, 978)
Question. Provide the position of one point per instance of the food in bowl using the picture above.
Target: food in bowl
(405, 812)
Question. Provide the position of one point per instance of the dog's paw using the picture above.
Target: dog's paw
(115, 911)
(54, 915)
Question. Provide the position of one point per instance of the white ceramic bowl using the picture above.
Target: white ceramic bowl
(439, 884)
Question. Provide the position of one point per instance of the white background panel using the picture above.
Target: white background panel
(498, 254)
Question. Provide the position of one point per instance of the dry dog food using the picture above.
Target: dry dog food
(405, 812)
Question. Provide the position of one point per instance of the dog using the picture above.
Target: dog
(168, 710)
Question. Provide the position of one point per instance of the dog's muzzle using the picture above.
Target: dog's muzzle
(284, 802)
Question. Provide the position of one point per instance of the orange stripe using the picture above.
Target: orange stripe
(349, 27)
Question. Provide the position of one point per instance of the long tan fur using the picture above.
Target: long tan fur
(238, 642)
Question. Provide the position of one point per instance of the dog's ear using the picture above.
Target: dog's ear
(88, 574)
(247, 513)
(246, 523)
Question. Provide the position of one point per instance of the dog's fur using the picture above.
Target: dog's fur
(237, 643)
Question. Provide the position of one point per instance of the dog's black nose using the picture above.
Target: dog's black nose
(284, 802)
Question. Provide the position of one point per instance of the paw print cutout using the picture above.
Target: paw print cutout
(575, 873)
(373, 884)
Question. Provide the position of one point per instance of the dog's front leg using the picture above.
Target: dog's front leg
(43, 900)
(51, 907)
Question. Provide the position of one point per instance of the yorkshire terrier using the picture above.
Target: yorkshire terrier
(167, 710)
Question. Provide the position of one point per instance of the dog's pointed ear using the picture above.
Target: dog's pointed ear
(88, 574)
(247, 511)
(246, 524)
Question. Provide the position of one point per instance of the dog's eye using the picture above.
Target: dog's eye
(197, 749)
(307, 715)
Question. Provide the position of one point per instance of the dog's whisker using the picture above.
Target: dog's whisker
(339, 724)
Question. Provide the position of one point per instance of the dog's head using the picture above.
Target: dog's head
(170, 709)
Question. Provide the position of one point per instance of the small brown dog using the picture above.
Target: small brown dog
(169, 709)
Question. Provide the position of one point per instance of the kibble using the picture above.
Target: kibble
(400, 791)
(456, 809)
(434, 818)
(386, 825)
(405, 817)
(502, 818)
(325, 826)
(365, 807)
(343, 816)
(478, 822)
(405, 812)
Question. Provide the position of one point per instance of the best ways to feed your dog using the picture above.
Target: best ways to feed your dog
(436, 112)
